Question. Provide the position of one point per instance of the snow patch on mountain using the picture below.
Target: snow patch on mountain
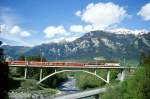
(95, 42)
(119, 44)
(108, 43)
(84, 44)
(67, 48)
(136, 43)
(146, 42)
(128, 31)
(74, 49)
(52, 50)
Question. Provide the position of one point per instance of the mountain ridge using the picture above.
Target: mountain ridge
(94, 44)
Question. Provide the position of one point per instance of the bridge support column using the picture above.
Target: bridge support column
(41, 72)
(25, 73)
(96, 96)
(108, 76)
(95, 72)
(122, 76)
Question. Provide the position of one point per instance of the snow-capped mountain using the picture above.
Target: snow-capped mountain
(128, 31)
(110, 45)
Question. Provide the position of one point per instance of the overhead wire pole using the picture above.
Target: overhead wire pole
(124, 54)
(25, 70)
(124, 63)
(41, 71)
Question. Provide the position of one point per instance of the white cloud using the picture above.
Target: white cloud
(68, 39)
(18, 31)
(25, 34)
(51, 31)
(2, 28)
(15, 34)
(89, 6)
(145, 12)
(76, 28)
(78, 13)
(61, 39)
(59, 34)
(102, 15)
(18, 41)
(8, 17)
(15, 30)
(10, 29)
(84, 29)
(88, 28)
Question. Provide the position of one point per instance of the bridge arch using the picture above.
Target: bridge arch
(85, 71)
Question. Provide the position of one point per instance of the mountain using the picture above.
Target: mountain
(6, 41)
(93, 44)
(15, 51)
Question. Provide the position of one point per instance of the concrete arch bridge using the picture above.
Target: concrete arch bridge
(70, 67)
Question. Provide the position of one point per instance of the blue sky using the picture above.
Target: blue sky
(32, 22)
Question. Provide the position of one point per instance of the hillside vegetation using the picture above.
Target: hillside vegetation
(134, 87)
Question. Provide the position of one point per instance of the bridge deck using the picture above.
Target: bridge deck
(88, 66)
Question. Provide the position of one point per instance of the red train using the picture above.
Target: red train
(37, 63)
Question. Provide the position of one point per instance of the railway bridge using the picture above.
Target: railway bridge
(61, 67)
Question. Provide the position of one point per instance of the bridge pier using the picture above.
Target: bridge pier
(122, 76)
(95, 72)
(108, 76)
(41, 72)
(25, 73)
